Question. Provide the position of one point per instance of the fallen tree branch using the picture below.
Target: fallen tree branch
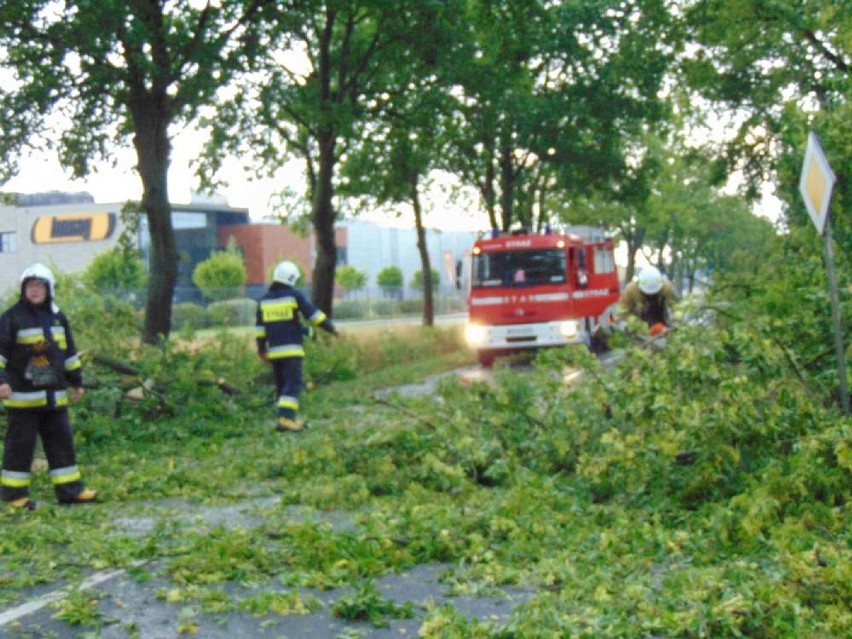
(115, 365)
(407, 411)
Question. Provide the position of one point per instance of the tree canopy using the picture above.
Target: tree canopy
(85, 76)
(553, 111)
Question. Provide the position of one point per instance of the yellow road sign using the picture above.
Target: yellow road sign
(816, 182)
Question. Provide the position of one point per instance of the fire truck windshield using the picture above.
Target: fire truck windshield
(518, 268)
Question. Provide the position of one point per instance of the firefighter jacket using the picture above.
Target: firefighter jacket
(38, 358)
(279, 329)
(651, 309)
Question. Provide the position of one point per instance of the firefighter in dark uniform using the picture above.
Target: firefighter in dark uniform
(279, 331)
(650, 297)
(39, 370)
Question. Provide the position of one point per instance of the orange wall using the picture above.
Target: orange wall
(264, 245)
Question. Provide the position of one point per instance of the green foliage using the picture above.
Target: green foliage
(102, 101)
(390, 277)
(386, 307)
(417, 279)
(787, 299)
(87, 309)
(280, 603)
(350, 309)
(235, 312)
(116, 271)
(221, 276)
(350, 278)
(79, 608)
(188, 315)
(367, 604)
(698, 490)
(411, 307)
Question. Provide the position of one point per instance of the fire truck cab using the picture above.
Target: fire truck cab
(532, 291)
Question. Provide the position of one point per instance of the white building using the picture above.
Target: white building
(67, 235)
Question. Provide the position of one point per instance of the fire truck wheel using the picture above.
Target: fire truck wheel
(486, 359)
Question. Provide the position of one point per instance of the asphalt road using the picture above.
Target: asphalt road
(134, 608)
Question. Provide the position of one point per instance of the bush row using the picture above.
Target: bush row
(236, 312)
(241, 312)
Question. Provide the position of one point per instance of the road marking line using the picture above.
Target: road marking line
(32, 606)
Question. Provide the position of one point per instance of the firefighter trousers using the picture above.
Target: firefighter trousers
(22, 430)
(287, 373)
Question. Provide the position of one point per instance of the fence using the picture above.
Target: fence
(193, 310)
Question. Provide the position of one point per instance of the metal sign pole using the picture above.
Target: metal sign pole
(835, 317)
(815, 185)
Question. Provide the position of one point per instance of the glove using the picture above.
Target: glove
(657, 329)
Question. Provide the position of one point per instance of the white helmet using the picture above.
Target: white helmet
(39, 271)
(650, 280)
(286, 272)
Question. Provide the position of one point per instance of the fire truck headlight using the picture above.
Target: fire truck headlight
(569, 329)
(475, 334)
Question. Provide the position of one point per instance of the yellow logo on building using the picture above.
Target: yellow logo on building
(73, 227)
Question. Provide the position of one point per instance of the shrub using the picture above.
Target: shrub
(390, 280)
(417, 279)
(116, 270)
(350, 309)
(350, 278)
(221, 276)
(238, 312)
(188, 315)
(411, 307)
(384, 308)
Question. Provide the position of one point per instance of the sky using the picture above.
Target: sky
(41, 172)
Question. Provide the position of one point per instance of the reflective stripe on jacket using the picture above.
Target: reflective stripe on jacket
(278, 326)
(22, 341)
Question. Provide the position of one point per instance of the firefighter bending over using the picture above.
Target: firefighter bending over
(279, 332)
(649, 297)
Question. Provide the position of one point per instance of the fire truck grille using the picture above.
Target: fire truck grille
(527, 338)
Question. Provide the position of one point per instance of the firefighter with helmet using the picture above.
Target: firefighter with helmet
(39, 372)
(280, 331)
(649, 297)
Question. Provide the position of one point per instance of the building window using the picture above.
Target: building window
(8, 243)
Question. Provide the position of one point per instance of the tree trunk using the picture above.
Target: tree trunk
(322, 292)
(488, 194)
(322, 215)
(634, 242)
(507, 179)
(426, 266)
(153, 152)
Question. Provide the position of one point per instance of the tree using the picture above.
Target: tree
(222, 275)
(400, 145)
(118, 70)
(417, 279)
(330, 64)
(778, 66)
(350, 278)
(390, 280)
(625, 206)
(551, 97)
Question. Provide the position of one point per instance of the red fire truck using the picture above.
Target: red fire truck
(531, 291)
